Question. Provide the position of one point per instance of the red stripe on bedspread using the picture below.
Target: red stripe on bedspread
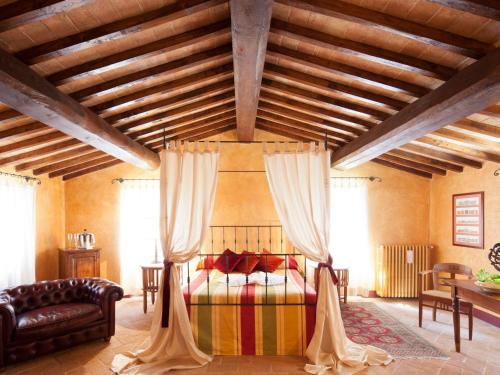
(194, 284)
(311, 299)
(247, 317)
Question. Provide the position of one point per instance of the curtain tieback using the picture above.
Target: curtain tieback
(328, 265)
(166, 293)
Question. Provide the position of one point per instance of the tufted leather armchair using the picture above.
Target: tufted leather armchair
(51, 315)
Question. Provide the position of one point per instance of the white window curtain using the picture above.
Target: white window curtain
(349, 235)
(188, 179)
(299, 184)
(17, 231)
(139, 234)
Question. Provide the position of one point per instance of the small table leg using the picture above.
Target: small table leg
(456, 320)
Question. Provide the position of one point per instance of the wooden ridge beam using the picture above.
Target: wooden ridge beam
(273, 97)
(484, 8)
(347, 71)
(100, 65)
(470, 90)
(361, 50)
(23, 12)
(308, 119)
(250, 21)
(412, 164)
(425, 160)
(329, 87)
(428, 150)
(24, 90)
(114, 30)
(403, 168)
(271, 84)
(394, 25)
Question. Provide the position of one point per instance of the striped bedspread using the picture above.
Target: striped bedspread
(245, 328)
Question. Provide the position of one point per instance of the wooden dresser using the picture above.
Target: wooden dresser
(79, 263)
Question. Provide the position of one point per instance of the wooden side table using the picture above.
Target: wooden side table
(150, 282)
(79, 263)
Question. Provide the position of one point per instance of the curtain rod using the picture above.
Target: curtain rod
(27, 178)
(369, 178)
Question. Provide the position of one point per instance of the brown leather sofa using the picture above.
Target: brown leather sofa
(51, 315)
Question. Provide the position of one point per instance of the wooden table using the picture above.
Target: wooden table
(467, 290)
(150, 282)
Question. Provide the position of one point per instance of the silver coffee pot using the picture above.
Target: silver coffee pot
(86, 240)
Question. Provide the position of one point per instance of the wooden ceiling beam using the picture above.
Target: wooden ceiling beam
(319, 136)
(425, 160)
(173, 68)
(287, 74)
(191, 119)
(113, 31)
(27, 92)
(473, 88)
(46, 150)
(23, 12)
(309, 119)
(284, 133)
(427, 150)
(82, 150)
(68, 163)
(91, 169)
(350, 72)
(473, 127)
(340, 137)
(271, 84)
(86, 164)
(135, 55)
(484, 8)
(273, 97)
(403, 168)
(22, 130)
(412, 164)
(394, 25)
(360, 50)
(250, 21)
(192, 81)
(465, 139)
(459, 149)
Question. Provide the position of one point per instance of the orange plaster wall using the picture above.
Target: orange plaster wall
(471, 180)
(49, 208)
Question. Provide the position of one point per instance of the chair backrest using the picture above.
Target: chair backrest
(451, 268)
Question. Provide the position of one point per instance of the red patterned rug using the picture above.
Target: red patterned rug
(367, 324)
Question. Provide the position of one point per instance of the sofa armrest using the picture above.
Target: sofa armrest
(7, 318)
(103, 292)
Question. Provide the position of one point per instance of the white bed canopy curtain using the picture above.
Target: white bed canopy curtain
(299, 184)
(188, 179)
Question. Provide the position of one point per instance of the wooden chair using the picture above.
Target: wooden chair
(441, 299)
(150, 282)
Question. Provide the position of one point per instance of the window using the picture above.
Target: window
(139, 230)
(349, 242)
(17, 231)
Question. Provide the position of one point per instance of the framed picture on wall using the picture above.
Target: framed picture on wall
(468, 220)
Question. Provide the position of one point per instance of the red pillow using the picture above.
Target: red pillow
(270, 265)
(206, 263)
(292, 263)
(252, 262)
(227, 262)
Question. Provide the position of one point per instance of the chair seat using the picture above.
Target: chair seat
(56, 319)
(444, 294)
